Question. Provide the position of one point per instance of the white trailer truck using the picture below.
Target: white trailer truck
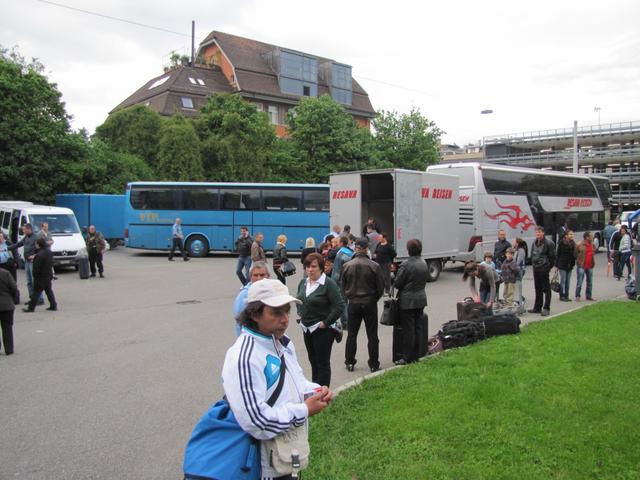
(405, 204)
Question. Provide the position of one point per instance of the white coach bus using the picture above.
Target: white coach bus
(516, 200)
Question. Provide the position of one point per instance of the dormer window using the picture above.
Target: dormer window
(192, 80)
(159, 82)
(187, 102)
(201, 82)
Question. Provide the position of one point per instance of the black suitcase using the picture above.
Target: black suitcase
(83, 267)
(502, 324)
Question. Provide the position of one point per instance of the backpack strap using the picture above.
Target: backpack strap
(276, 393)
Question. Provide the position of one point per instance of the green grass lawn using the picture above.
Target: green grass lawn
(561, 400)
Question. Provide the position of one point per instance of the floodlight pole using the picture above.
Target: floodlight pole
(575, 147)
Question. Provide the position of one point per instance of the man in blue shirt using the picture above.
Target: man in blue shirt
(259, 271)
(177, 240)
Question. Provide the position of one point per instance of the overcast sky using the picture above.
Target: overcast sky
(537, 64)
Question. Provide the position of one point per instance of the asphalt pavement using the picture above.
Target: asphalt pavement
(111, 385)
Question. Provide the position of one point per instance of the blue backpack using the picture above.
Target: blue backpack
(219, 449)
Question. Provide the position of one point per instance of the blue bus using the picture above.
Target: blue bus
(212, 214)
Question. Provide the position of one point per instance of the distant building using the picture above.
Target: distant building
(273, 78)
(611, 150)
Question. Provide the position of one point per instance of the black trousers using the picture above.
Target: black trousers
(6, 323)
(386, 276)
(42, 285)
(356, 313)
(319, 345)
(95, 258)
(543, 289)
(177, 243)
(411, 328)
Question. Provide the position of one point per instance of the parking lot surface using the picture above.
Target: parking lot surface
(111, 385)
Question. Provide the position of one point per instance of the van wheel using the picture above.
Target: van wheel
(197, 246)
(435, 267)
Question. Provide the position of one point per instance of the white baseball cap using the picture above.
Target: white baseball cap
(270, 292)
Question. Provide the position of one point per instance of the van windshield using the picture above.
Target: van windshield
(59, 224)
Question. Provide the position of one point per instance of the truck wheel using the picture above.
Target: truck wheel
(197, 246)
(435, 267)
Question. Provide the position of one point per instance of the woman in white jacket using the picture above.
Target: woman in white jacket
(252, 370)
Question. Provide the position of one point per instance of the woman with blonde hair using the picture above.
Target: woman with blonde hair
(309, 247)
(279, 257)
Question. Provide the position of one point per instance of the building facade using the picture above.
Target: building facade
(271, 77)
(610, 150)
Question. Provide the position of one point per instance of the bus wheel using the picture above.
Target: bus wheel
(197, 246)
(435, 267)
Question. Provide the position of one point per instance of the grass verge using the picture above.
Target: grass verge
(559, 401)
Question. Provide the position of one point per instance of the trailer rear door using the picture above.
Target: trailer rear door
(346, 200)
(408, 209)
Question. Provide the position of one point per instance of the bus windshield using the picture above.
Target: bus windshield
(59, 224)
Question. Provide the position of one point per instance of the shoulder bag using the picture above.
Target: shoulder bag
(555, 282)
(289, 451)
(288, 268)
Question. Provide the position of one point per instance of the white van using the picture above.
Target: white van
(68, 242)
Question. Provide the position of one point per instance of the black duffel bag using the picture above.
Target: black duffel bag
(459, 333)
(502, 324)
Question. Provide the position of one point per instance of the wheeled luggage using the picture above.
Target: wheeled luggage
(83, 267)
(502, 324)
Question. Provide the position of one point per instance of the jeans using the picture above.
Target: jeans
(581, 273)
(565, 282)
(357, 312)
(28, 270)
(175, 243)
(244, 262)
(543, 290)
(625, 260)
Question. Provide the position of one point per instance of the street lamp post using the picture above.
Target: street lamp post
(486, 111)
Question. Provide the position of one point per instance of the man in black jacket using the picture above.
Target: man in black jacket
(243, 247)
(42, 276)
(363, 285)
(543, 257)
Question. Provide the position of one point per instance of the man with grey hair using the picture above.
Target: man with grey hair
(259, 271)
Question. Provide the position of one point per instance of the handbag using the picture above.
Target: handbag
(555, 282)
(288, 268)
(220, 449)
(390, 312)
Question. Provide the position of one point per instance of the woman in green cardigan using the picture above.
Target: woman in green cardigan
(321, 307)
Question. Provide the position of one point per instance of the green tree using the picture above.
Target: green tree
(134, 130)
(179, 151)
(406, 141)
(35, 136)
(237, 139)
(327, 139)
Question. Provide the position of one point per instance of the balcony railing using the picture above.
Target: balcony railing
(564, 133)
(628, 153)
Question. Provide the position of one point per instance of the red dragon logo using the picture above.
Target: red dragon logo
(513, 218)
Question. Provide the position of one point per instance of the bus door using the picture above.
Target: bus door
(408, 209)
